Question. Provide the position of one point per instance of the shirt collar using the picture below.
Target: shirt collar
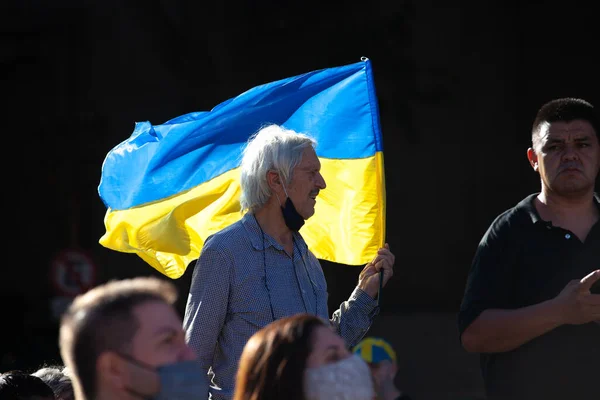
(256, 238)
(528, 205)
(251, 225)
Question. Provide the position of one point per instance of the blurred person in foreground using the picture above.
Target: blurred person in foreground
(18, 385)
(260, 269)
(124, 340)
(57, 377)
(530, 306)
(301, 358)
(381, 358)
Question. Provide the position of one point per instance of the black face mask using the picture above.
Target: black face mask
(292, 219)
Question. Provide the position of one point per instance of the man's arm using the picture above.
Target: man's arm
(495, 330)
(206, 306)
(353, 318)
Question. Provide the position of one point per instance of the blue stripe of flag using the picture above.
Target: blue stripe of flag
(337, 106)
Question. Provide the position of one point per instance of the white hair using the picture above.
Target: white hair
(271, 148)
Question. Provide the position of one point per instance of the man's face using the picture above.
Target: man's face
(160, 338)
(306, 183)
(567, 157)
(383, 370)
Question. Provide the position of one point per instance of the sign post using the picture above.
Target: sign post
(72, 273)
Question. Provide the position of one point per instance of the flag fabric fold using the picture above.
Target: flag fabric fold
(169, 186)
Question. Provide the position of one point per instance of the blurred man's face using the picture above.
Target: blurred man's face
(159, 340)
(567, 157)
(383, 370)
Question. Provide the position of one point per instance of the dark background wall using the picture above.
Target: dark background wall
(458, 86)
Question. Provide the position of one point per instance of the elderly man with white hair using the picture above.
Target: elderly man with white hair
(259, 269)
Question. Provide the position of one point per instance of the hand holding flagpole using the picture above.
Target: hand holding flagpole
(375, 274)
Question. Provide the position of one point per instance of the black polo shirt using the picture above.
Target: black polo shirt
(523, 260)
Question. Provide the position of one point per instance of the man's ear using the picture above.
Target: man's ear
(533, 159)
(273, 180)
(111, 370)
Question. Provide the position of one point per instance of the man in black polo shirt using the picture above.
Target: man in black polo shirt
(531, 306)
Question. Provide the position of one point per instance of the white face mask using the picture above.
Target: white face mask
(348, 379)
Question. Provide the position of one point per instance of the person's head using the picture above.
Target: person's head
(381, 358)
(566, 147)
(300, 358)
(18, 385)
(278, 163)
(118, 338)
(58, 379)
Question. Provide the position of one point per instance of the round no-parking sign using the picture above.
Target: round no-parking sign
(73, 272)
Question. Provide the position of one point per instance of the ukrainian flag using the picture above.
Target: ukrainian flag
(169, 186)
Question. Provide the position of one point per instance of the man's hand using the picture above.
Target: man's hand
(577, 304)
(368, 280)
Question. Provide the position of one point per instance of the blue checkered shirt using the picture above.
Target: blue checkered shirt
(237, 288)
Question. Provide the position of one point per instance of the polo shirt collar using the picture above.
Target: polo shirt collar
(528, 205)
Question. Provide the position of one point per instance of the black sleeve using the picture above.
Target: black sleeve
(489, 283)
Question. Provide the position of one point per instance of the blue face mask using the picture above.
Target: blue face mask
(182, 380)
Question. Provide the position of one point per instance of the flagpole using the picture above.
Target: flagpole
(380, 288)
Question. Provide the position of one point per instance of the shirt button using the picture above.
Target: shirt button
(568, 236)
(303, 291)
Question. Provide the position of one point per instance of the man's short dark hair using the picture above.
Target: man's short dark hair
(18, 385)
(102, 320)
(565, 109)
